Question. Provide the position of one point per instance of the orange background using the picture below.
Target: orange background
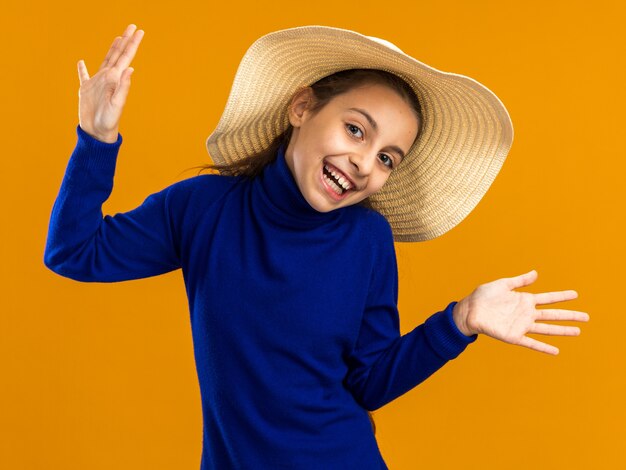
(102, 376)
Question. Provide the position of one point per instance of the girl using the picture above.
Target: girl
(332, 145)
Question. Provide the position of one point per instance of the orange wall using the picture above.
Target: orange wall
(101, 376)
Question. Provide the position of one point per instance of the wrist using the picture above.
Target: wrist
(108, 138)
(459, 315)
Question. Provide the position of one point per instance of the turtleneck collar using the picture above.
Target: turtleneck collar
(277, 191)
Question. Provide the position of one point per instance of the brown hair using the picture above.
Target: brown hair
(324, 90)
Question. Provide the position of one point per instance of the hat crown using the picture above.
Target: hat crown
(384, 42)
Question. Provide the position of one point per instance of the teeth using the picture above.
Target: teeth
(342, 181)
(333, 185)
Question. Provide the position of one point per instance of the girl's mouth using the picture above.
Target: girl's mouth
(336, 185)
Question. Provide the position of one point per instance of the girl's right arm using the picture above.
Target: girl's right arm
(85, 246)
(81, 244)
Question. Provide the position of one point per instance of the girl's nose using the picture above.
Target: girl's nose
(363, 162)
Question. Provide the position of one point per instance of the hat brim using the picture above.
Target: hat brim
(466, 134)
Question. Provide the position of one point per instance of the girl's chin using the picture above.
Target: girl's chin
(327, 206)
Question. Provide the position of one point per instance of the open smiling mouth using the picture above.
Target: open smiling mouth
(336, 182)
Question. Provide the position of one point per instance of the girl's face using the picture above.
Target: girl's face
(341, 139)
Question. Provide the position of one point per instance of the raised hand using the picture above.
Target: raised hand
(101, 98)
(496, 310)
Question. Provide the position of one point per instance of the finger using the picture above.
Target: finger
(83, 74)
(119, 97)
(538, 345)
(552, 297)
(130, 49)
(121, 45)
(521, 280)
(558, 314)
(547, 329)
(107, 59)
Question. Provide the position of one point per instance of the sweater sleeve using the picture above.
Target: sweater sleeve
(384, 364)
(85, 246)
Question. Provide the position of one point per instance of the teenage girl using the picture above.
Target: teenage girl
(288, 257)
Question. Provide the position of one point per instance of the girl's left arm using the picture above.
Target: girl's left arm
(383, 364)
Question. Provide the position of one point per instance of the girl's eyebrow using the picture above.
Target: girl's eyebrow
(374, 125)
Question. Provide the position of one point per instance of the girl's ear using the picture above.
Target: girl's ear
(300, 102)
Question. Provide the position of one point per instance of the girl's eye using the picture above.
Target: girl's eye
(387, 160)
(352, 126)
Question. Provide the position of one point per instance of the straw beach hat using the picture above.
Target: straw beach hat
(465, 138)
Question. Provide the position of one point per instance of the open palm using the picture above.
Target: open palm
(101, 98)
(496, 310)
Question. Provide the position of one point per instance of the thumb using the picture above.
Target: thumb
(522, 280)
(119, 97)
(83, 74)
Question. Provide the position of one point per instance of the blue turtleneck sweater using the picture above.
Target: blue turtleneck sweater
(293, 311)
